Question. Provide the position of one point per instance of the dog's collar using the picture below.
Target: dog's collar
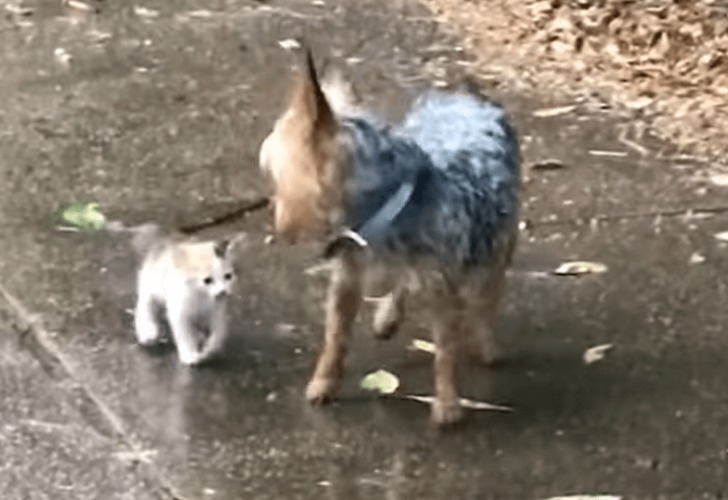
(377, 222)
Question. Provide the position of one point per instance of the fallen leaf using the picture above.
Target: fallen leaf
(62, 56)
(289, 44)
(640, 103)
(697, 258)
(464, 402)
(548, 164)
(586, 497)
(549, 112)
(84, 216)
(722, 236)
(78, 5)
(719, 180)
(19, 10)
(200, 14)
(577, 268)
(422, 345)
(136, 456)
(609, 154)
(596, 353)
(380, 381)
(145, 12)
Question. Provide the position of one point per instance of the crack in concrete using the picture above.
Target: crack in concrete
(41, 345)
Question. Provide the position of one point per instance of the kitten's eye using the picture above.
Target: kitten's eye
(208, 280)
(228, 276)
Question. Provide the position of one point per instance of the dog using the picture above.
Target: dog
(434, 198)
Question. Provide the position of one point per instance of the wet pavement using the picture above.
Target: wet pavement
(157, 115)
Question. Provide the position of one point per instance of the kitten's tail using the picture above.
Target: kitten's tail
(144, 237)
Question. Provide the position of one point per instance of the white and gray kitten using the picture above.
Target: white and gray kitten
(184, 283)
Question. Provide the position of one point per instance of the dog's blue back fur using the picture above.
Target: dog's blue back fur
(462, 155)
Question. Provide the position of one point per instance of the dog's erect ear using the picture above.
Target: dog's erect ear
(340, 92)
(309, 102)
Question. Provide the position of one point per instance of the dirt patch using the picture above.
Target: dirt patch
(663, 62)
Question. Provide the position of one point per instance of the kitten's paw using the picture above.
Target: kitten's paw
(148, 335)
(191, 358)
(446, 412)
(321, 390)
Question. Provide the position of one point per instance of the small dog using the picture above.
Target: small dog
(435, 199)
(182, 284)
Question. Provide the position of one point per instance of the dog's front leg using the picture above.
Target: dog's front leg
(342, 304)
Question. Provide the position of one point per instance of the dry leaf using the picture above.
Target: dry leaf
(697, 258)
(719, 180)
(464, 402)
(722, 236)
(611, 154)
(144, 12)
(577, 268)
(289, 44)
(136, 456)
(640, 103)
(62, 56)
(586, 497)
(78, 5)
(422, 345)
(596, 353)
(19, 10)
(200, 14)
(549, 112)
(380, 381)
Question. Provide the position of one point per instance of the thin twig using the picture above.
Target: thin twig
(247, 208)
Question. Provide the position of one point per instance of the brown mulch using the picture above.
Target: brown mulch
(665, 62)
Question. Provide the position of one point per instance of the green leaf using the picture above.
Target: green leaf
(380, 381)
(84, 216)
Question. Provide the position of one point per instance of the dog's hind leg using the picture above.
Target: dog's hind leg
(483, 302)
(446, 332)
(342, 304)
(482, 311)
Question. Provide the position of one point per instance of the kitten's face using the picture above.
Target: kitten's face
(218, 278)
(208, 267)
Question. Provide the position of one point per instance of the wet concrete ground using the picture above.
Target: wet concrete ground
(158, 117)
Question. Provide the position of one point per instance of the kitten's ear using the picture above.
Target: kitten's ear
(224, 247)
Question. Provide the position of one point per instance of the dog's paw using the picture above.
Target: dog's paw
(487, 355)
(386, 319)
(446, 412)
(321, 390)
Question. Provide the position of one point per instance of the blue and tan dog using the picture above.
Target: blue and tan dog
(435, 199)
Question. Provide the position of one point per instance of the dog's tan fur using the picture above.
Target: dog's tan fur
(304, 158)
(307, 161)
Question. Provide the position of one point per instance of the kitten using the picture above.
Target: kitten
(183, 284)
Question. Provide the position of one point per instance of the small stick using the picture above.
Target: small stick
(247, 208)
